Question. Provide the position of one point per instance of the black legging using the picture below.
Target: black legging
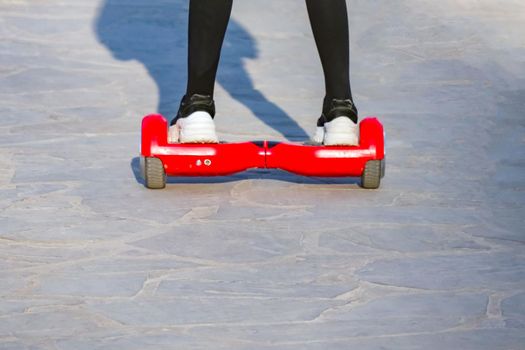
(208, 20)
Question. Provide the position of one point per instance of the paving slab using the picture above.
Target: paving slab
(264, 259)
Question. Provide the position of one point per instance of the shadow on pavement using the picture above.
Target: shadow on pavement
(154, 32)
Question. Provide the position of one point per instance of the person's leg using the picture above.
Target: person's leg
(208, 20)
(329, 21)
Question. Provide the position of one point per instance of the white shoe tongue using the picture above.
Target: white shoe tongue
(319, 135)
(173, 134)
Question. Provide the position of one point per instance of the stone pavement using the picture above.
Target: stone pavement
(90, 259)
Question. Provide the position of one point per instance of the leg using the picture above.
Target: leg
(208, 20)
(329, 21)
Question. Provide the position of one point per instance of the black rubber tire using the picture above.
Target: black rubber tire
(371, 177)
(154, 174)
(383, 166)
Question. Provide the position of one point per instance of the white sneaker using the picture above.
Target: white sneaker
(337, 125)
(198, 127)
(341, 131)
(340, 134)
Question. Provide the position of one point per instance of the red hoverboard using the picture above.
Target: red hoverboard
(160, 159)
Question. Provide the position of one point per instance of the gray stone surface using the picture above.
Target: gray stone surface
(90, 259)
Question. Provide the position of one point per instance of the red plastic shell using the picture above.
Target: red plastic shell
(229, 158)
(197, 159)
(330, 160)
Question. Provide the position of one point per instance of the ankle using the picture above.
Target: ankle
(195, 103)
(334, 108)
